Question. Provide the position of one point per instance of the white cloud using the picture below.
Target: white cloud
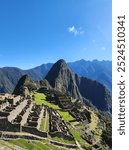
(76, 31)
(73, 30)
(103, 48)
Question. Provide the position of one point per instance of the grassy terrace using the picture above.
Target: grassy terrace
(61, 140)
(40, 99)
(77, 137)
(66, 116)
(45, 123)
(34, 145)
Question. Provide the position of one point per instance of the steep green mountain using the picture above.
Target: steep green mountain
(62, 79)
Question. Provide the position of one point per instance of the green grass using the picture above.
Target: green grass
(66, 116)
(80, 126)
(40, 99)
(78, 137)
(94, 121)
(74, 123)
(34, 145)
(62, 140)
(42, 125)
(6, 144)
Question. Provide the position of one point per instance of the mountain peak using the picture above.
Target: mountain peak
(24, 80)
(61, 78)
(61, 62)
(24, 86)
(55, 71)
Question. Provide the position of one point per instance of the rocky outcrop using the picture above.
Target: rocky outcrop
(25, 86)
(45, 83)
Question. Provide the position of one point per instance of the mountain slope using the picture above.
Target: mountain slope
(95, 92)
(61, 78)
(9, 76)
(96, 70)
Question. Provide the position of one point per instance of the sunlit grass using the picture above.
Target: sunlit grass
(34, 145)
(40, 99)
(66, 116)
(78, 137)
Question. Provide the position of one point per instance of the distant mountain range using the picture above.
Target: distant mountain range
(96, 70)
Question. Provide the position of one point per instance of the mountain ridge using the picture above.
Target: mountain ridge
(9, 76)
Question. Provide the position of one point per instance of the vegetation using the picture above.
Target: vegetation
(44, 126)
(94, 121)
(6, 144)
(65, 115)
(78, 138)
(40, 99)
(35, 145)
(62, 140)
(107, 134)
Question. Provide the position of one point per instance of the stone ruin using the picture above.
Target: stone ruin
(19, 114)
(57, 126)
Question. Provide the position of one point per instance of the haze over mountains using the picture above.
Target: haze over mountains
(96, 70)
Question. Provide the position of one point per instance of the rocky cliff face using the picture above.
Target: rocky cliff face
(61, 78)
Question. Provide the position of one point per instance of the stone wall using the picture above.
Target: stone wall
(61, 135)
(64, 145)
(7, 126)
(6, 136)
(17, 110)
(34, 131)
(26, 114)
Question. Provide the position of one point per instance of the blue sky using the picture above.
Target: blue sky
(33, 32)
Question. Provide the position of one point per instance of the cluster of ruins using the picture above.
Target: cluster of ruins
(57, 126)
(19, 114)
(65, 102)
